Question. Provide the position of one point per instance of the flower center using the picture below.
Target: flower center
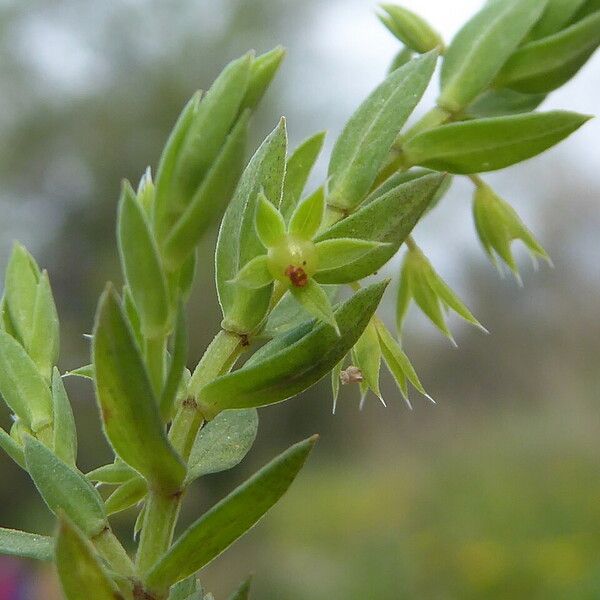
(293, 261)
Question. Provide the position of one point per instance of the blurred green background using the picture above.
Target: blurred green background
(492, 493)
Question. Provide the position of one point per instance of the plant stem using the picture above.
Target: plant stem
(155, 359)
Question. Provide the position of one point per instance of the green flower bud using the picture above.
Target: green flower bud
(411, 29)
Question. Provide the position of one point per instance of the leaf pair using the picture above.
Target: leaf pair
(498, 225)
(420, 282)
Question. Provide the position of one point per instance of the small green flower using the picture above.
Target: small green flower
(420, 282)
(498, 225)
(293, 259)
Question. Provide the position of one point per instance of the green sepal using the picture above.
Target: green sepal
(20, 290)
(80, 570)
(65, 434)
(255, 274)
(22, 386)
(399, 364)
(316, 302)
(222, 443)
(64, 489)
(43, 340)
(229, 519)
(298, 168)
(26, 545)
(176, 367)
(243, 592)
(262, 72)
(238, 243)
(145, 193)
(142, 266)
(411, 29)
(210, 199)
(388, 219)
(85, 372)
(546, 64)
(482, 47)
(12, 448)
(128, 494)
(489, 144)
(364, 144)
(130, 413)
(367, 357)
(298, 359)
(307, 217)
(270, 226)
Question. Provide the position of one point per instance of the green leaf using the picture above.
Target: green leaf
(499, 103)
(243, 592)
(398, 363)
(544, 65)
(298, 168)
(44, 338)
(295, 364)
(238, 243)
(176, 367)
(270, 226)
(65, 434)
(187, 589)
(126, 495)
(12, 448)
(262, 71)
(211, 197)
(364, 144)
(590, 7)
(411, 29)
(490, 144)
(229, 519)
(20, 291)
(338, 252)
(142, 267)
(335, 383)
(64, 489)
(367, 356)
(85, 372)
(80, 570)
(222, 443)
(558, 13)
(255, 274)
(130, 413)
(22, 386)
(387, 219)
(114, 473)
(26, 545)
(482, 47)
(186, 277)
(307, 216)
(402, 57)
(316, 302)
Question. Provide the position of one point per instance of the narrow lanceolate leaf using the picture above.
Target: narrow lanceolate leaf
(176, 367)
(307, 217)
(65, 435)
(490, 144)
(25, 545)
(43, 341)
(126, 495)
(499, 103)
(557, 15)
(544, 65)
(262, 71)
(388, 219)
(20, 288)
(482, 47)
(210, 199)
(270, 226)
(12, 448)
(298, 168)
(114, 473)
(238, 243)
(255, 274)
(80, 570)
(229, 519)
(296, 362)
(187, 589)
(316, 302)
(130, 413)
(222, 443)
(411, 29)
(142, 266)
(243, 592)
(367, 354)
(339, 252)
(335, 383)
(85, 372)
(364, 144)
(64, 489)
(22, 386)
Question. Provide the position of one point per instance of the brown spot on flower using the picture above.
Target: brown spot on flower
(297, 276)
